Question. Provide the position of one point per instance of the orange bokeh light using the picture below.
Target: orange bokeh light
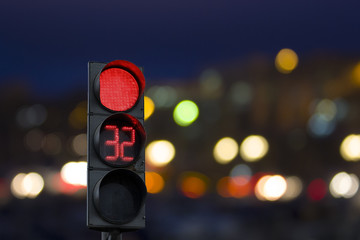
(193, 185)
(154, 182)
(237, 187)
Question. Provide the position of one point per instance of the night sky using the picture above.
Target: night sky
(47, 44)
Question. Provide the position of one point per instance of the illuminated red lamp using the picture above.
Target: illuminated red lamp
(120, 85)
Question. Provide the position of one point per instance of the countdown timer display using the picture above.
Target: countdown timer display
(120, 140)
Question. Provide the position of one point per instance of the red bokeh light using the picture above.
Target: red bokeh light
(59, 185)
(119, 90)
(317, 189)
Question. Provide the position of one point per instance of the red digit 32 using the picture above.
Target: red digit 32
(119, 147)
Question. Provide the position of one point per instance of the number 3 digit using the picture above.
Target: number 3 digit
(114, 143)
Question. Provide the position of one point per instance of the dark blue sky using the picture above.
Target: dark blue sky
(49, 43)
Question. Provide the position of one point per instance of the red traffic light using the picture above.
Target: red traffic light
(120, 85)
(116, 155)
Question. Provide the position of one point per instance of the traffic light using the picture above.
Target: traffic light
(116, 137)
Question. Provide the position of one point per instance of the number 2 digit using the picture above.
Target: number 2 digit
(127, 143)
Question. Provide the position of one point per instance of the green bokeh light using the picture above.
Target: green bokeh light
(185, 113)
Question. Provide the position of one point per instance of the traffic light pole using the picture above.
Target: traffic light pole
(115, 235)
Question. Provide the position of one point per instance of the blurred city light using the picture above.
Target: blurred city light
(163, 96)
(241, 94)
(27, 185)
(193, 184)
(234, 187)
(320, 126)
(317, 189)
(253, 148)
(154, 182)
(270, 187)
(342, 108)
(77, 118)
(211, 83)
(222, 187)
(56, 184)
(159, 153)
(51, 144)
(34, 140)
(74, 173)
(225, 150)
(17, 188)
(149, 107)
(241, 170)
(327, 108)
(286, 60)
(33, 116)
(239, 186)
(260, 186)
(185, 113)
(350, 147)
(294, 188)
(323, 121)
(79, 144)
(344, 185)
(33, 184)
(355, 76)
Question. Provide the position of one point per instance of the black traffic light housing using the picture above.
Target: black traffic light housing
(116, 157)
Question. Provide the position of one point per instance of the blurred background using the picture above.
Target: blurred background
(252, 116)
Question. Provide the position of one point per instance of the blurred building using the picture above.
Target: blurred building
(255, 149)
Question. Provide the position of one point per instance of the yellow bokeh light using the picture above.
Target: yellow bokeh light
(259, 188)
(17, 187)
(270, 188)
(355, 74)
(33, 183)
(225, 150)
(77, 118)
(79, 144)
(327, 109)
(350, 148)
(27, 185)
(253, 148)
(160, 153)
(344, 185)
(294, 188)
(286, 60)
(154, 182)
(185, 113)
(74, 173)
(149, 107)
